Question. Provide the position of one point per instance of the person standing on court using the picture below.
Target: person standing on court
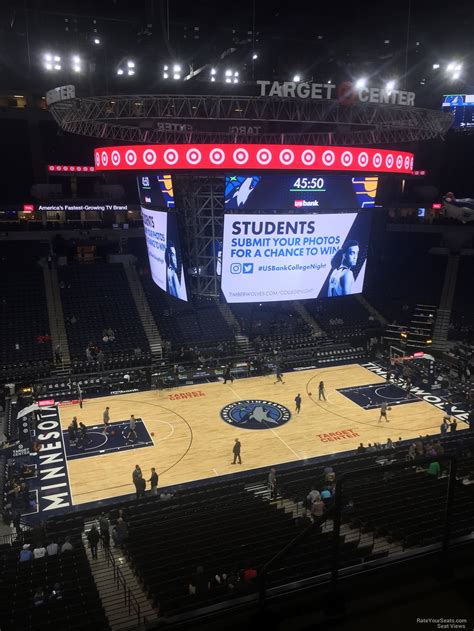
(132, 428)
(106, 419)
(298, 403)
(444, 427)
(153, 481)
(136, 477)
(228, 375)
(236, 451)
(383, 412)
(322, 391)
(79, 394)
(279, 375)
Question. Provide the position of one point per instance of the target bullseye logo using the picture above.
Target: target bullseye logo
(389, 161)
(264, 156)
(329, 158)
(399, 162)
(97, 159)
(347, 159)
(130, 157)
(193, 156)
(407, 163)
(171, 156)
(149, 157)
(105, 158)
(363, 159)
(241, 155)
(377, 160)
(286, 156)
(115, 158)
(217, 156)
(308, 157)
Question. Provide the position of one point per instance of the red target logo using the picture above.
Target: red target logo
(105, 159)
(399, 162)
(286, 156)
(329, 158)
(407, 163)
(264, 156)
(347, 159)
(193, 156)
(377, 160)
(363, 159)
(389, 161)
(115, 158)
(241, 155)
(149, 157)
(217, 156)
(130, 157)
(97, 159)
(308, 157)
(171, 156)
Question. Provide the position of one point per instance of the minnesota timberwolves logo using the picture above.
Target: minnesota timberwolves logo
(255, 414)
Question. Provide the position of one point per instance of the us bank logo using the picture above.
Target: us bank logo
(255, 414)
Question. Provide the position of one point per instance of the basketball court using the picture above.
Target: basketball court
(188, 433)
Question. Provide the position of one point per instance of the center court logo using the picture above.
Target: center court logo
(255, 414)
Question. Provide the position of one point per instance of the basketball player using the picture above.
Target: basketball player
(79, 392)
(298, 403)
(383, 412)
(279, 375)
(321, 391)
(132, 428)
(342, 276)
(106, 419)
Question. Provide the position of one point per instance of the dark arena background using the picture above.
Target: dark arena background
(236, 326)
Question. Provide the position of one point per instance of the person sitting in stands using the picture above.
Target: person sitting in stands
(434, 469)
(39, 597)
(26, 554)
(39, 552)
(317, 509)
(361, 449)
(67, 546)
(199, 584)
(312, 496)
(56, 592)
(52, 548)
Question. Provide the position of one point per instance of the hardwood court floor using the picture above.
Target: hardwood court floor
(192, 442)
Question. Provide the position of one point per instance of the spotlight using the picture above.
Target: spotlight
(435, 66)
(456, 75)
(228, 80)
(131, 72)
(213, 71)
(213, 78)
(177, 68)
(165, 75)
(176, 76)
(255, 56)
(236, 80)
(96, 40)
(120, 71)
(76, 59)
(130, 64)
(57, 58)
(228, 73)
(76, 68)
(297, 78)
(48, 57)
(48, 66)
(390, 86)
(165, 68)
(57, 67)
(236, 74)
(361, 83)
